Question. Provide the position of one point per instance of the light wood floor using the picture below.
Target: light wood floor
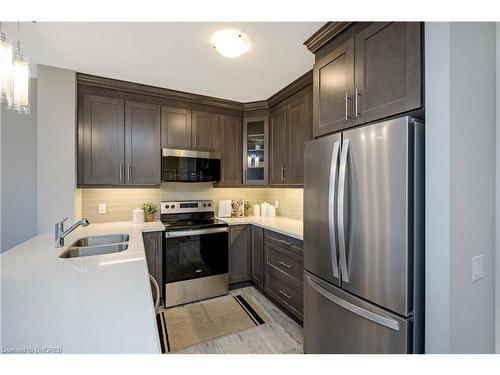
(281, 335)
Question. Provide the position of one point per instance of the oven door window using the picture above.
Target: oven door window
(192, 257)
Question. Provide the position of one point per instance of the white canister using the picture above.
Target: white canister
(271, 211)
(256, 210)
(263, 208)
(138, 216)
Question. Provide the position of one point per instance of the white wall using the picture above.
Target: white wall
(497, 222)
(437, 177)
(460, 186)
(18, 174)
(56, 146)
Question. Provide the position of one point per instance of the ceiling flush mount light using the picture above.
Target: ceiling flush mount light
(230, 43)
(6, 56)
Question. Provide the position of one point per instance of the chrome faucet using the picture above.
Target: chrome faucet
(61, 233)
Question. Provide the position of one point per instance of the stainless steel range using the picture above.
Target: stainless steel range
(196, 245)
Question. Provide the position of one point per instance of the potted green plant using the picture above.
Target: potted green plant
(149, 210)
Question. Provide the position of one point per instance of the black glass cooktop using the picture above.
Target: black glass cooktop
(191, 221)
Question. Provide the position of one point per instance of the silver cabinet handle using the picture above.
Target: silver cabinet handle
(128, 172)
(341, 210)
(347, 98)
(121, 171)
(285, 265)
(286, 295)
(331, 209)
(356, 102)
(376, 318)
(281, 241)
(157, 291)
(282, 173)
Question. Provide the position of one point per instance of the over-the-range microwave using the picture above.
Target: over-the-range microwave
(190, 166)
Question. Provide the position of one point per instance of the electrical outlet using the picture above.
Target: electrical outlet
(101, 208)
(477, 267)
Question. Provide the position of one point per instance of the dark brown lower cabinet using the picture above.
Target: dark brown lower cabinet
(239, 253)
(154, 256)
(286, 290)
(284, 272)
(257, 256)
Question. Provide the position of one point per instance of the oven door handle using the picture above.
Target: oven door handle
(195, 232)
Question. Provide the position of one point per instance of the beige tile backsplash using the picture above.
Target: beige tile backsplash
(121, 202)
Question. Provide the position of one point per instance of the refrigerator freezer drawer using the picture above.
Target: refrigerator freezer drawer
(337, 322)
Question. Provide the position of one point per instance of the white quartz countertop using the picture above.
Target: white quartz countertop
(284, 225)
(94, 304)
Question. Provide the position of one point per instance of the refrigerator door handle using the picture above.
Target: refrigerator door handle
(376, 318)
(331, 209)
(341, 210)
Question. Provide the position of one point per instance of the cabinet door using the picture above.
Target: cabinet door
(231, 143)
(205, 131)
(154, 256)
(298, 120)
(258, 256)
(175, 128)
(333, 78)
(103, 141)
(255, 150)
(142, 144)
(278, 145)
(388, 70)
(239, 253)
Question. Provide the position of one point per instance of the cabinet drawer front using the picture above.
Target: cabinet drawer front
(284, 260)
(286, 290)
(283, 241)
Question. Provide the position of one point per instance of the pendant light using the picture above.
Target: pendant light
(20, 80)
(6, 56)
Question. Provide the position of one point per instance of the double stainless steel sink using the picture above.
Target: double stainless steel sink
(96, 245)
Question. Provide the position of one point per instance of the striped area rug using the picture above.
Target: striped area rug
(181, 327)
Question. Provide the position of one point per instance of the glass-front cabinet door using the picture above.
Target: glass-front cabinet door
(255, 150)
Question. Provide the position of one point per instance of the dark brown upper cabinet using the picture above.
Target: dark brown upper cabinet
(230, 147)
(290, 127)
(333, 87)
(118, 142)
(298, 125)
(142, 146)
(374, 71)
(388, 70)
(175, 128)
(101, 140)
(205, 131)
(278, 141)
(255, 150)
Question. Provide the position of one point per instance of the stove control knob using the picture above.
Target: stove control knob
(210, 205)
(204, 205)
(173, 206)
(167, 206)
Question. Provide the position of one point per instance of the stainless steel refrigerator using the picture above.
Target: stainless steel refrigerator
(363, 240)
